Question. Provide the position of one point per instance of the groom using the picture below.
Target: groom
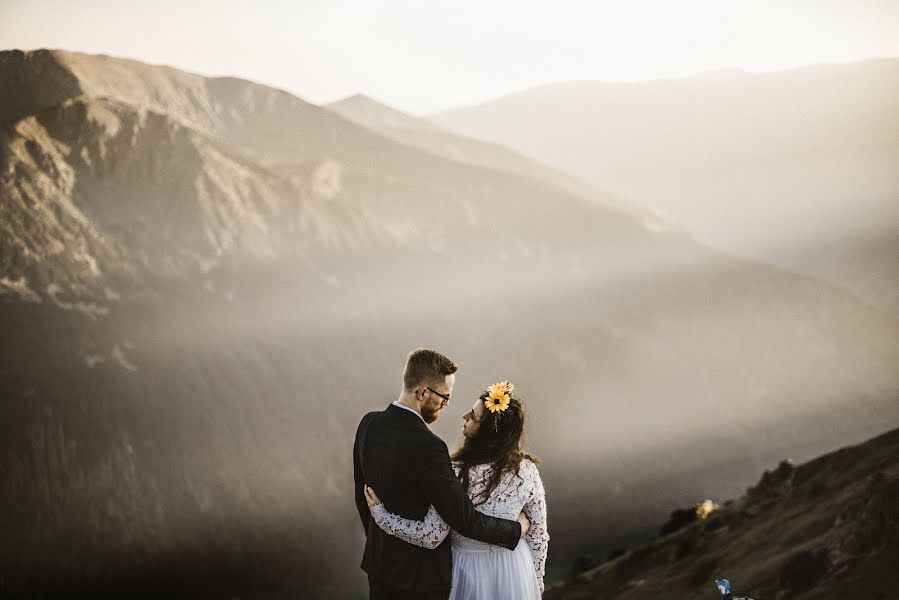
(396, 453)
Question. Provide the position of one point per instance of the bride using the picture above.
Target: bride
(502, 481)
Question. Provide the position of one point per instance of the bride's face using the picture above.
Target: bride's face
(473, 419)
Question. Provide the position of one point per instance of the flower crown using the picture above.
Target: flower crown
(498, 396)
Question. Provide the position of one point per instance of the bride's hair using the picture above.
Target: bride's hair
(497, 442)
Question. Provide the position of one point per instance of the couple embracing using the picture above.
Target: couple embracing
(467, 527)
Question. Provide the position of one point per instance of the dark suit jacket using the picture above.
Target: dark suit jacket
(410, 469)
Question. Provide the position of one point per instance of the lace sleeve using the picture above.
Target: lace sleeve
(534, 509)
(427, 534)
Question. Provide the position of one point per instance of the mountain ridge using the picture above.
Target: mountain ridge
(689, 78)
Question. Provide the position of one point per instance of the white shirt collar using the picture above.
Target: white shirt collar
(415, 412)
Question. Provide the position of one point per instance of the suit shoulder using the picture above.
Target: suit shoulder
(366, 419)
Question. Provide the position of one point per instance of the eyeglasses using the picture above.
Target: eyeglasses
(446, 397)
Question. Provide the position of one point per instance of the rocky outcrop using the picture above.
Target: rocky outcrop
(33, 81)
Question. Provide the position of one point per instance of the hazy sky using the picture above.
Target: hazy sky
(428, 55)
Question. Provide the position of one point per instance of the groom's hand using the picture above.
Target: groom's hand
(525, 524)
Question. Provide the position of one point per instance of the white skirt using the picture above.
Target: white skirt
(485, 572)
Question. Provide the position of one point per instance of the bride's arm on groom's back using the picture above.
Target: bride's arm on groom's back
(537, 536)
(426, 534)
(443, 489)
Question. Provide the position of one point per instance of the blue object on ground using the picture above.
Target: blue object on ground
(723, 586)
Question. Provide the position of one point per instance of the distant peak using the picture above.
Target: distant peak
(358, 99)
(374, 113)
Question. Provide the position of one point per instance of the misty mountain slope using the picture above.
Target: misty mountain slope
(126, 190)
(782, 167)
(233, 411)
(423, 134)
(171, 466)
(865, 261)
(110, 191)
(827, 528)
(232, 416)
(211, 196)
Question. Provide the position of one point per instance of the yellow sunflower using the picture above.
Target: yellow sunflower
(503, 387)
(497, 400)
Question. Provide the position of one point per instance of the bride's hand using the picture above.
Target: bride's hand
(371, 497)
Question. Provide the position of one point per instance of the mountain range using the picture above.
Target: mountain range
(207, 282)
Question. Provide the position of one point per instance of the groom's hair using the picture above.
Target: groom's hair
(426, 367)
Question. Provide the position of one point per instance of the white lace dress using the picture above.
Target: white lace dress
(482, 571)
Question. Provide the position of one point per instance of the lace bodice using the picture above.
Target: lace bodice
(513, 494)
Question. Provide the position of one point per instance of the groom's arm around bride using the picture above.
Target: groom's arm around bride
(444, 490)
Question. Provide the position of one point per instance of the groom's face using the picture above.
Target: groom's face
(433, 403)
